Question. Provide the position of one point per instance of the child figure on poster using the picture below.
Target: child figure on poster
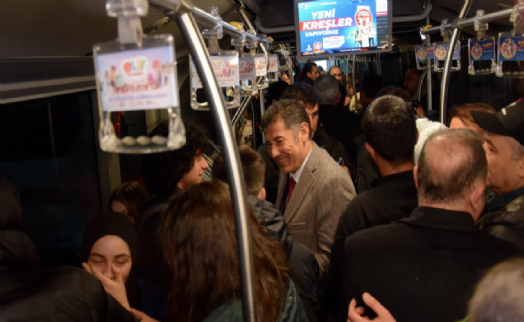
(358, 34)
(370, 33)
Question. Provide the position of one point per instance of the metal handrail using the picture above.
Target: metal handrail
(494, 16)
(449, 59)
(184, 12)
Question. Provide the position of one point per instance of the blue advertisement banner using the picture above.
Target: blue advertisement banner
(511, 48)
(342, 25)
(441, 51)
(423, 53)
(480, 50)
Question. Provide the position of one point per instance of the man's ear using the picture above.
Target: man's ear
(415, 176)
(262, 194)
(520, 167)
(304, 132)
(477, 200)
(371, 151)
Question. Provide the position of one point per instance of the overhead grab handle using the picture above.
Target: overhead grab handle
(510, 59)
(137, 73)
(481, 49)
(441, 50)
(424, 54)
(225, 65)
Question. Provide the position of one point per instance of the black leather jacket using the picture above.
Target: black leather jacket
(506, 223)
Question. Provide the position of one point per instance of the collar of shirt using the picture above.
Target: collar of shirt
(406, 176)
(296, 175)
(442, 219)
(500, 202)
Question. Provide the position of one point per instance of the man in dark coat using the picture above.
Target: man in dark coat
(425, 267)
(391, 134)
(29, 293)
(504, 145)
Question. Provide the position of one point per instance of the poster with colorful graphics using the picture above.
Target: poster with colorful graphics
(247, 68)
(137, 80)
(274, 63)
(330, 27)
(226, 71)
(511, 48)
(261, 66)
(480, 50)
(424, 53)
(441, 51)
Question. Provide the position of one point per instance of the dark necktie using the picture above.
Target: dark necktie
(292, 184)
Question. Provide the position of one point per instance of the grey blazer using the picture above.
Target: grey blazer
(321, 195)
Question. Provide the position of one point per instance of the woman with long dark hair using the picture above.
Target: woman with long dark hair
(129, 199)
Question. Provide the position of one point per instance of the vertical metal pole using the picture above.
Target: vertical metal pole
(420, 83)
(254, 124)
(195, 43)
(379, 66)
(354, 70)
(429, 79)
(449, 59)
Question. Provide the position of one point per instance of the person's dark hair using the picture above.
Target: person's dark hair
(290, 111)
(451, 163)
(133, 196)
(463, 112)
(389, 126)
(253, 166)
(201, 250)
(16, 249)
(163, 171)
(327, 89)
(275, 91)
(303, 92)
(395, 91)
(371, 85)
(308, 68)
(499, 295)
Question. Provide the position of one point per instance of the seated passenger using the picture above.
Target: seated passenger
(305, 270)
(109, 247)
(306, 95)
(504, 146)
(313, 190)
(339, 122)
(201, 248)
(30, 293)
(390, 131)
(165, 174)
(460, 117)
(432, 259)
(129, 199)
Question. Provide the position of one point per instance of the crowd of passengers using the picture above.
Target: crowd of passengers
(376, 214)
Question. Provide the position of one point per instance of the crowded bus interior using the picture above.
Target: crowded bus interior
(262, 160)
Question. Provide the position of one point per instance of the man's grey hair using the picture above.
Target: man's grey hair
(290, 111)
(499, 297)
(326, 87)
(452, 162)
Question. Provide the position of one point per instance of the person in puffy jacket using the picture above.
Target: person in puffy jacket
(30, 293)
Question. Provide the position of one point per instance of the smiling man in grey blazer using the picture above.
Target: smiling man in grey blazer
(313, 190)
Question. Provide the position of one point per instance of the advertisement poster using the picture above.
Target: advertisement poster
(424, 54)
(329, 27)
(274, 63)
(261, 66)
(137, 80)
(226, 71)
(480, 50)
(247, 68)
(511, 48)
(441, 51)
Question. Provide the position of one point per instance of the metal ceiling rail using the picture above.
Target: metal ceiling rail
(490, 17)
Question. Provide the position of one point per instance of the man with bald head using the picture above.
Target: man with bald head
(425, 267)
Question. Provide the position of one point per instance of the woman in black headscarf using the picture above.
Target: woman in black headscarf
(110, 247)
